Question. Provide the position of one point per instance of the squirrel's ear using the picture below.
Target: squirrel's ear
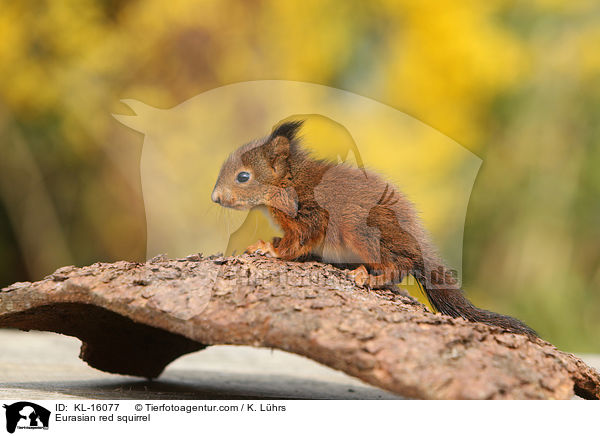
(280, 147)
(277, 148)
(277, 151)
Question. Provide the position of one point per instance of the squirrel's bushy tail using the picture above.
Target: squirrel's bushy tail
(452, 302)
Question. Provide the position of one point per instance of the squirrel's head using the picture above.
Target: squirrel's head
(258, 173)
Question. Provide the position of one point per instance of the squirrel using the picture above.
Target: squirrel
(343, 215)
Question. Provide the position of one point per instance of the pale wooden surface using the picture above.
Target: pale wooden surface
(39, 365)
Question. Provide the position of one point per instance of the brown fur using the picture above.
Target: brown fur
(345, 215)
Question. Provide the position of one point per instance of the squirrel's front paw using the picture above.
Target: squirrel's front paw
(262, 247)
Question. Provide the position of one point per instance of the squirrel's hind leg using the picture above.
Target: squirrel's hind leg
(386, 275)
(360, 275)
(262, 247)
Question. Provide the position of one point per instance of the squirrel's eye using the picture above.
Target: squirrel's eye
(243, 177)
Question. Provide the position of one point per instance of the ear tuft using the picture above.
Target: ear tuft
(287, 130)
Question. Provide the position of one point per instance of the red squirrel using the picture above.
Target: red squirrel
(344, 215)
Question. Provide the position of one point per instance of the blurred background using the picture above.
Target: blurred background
(516, 83)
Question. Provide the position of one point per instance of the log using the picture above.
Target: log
(135, 318)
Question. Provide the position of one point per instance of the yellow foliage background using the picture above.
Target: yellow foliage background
(515, 82)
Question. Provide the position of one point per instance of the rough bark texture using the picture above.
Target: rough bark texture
(136, 318)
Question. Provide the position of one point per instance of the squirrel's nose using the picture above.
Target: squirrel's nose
(216, 195)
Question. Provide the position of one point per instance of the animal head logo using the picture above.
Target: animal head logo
(185, 146)
(24, 414)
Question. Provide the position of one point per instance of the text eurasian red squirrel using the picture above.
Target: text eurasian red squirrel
(344, 215)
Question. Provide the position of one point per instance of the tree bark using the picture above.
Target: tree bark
(136, 318)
